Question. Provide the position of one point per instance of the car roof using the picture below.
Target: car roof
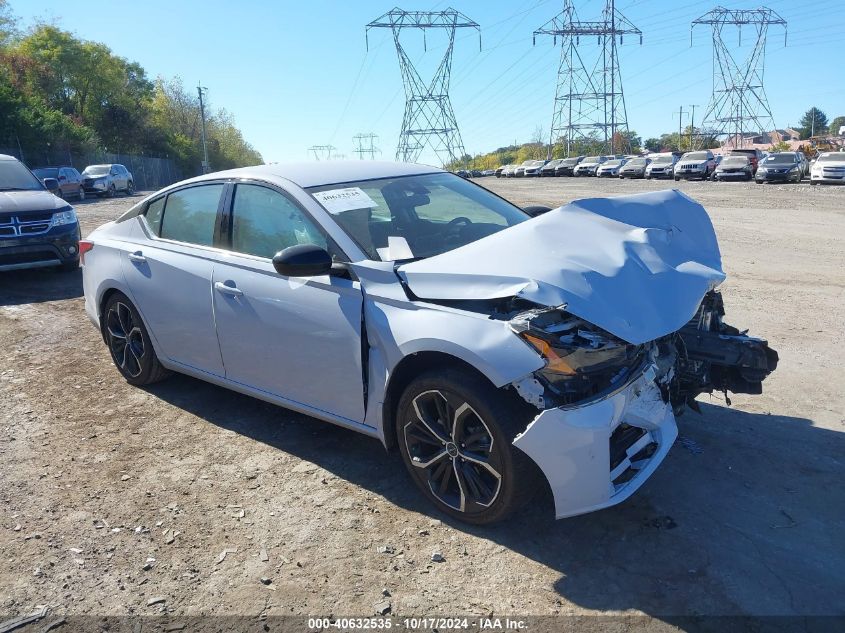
(7, 157)
(318, 173)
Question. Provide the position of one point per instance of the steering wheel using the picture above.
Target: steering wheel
(458, 220)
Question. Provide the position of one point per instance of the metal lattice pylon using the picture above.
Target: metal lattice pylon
(738, 105)
(589, 102)
(365, 145)
(429, 118)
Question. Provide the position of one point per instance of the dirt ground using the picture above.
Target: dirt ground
(113, 496)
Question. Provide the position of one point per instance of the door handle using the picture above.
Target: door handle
(232, 291)
(137, 257)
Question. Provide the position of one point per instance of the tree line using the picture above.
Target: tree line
(66, 94)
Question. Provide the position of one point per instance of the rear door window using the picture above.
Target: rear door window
(190, 215)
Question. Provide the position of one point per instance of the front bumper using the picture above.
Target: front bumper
(659, 173)
(777, 176)
(597, 454)
(686, 175)
(827, 178)
(57, 246)
(729, 175)
(95, 187)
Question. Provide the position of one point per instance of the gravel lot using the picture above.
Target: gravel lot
(746, 515)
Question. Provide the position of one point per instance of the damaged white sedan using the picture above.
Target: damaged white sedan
(492, 348)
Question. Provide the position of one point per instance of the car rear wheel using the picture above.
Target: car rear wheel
(455, 433)
(81, 194)
(130, 188)
(129, 343)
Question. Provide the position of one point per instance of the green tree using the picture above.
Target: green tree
(813, 122)
(652, 144)
(837, 123)
(8, 24)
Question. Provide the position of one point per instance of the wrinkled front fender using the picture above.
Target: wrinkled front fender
(598, 454)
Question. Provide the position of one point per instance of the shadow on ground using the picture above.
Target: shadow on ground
(39, 284)
(744, 518)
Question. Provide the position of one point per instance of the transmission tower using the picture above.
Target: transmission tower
(322, 152)
(365, 145)
(738, 104)
(589, 102)
(429, 118)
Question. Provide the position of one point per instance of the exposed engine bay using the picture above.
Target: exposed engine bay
(583, 361)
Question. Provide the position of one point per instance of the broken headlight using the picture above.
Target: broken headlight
(582, 360)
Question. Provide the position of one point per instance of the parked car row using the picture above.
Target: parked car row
(738, 164)
(100, 180)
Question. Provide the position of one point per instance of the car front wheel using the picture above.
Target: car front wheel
(455, 435)
(129, 343)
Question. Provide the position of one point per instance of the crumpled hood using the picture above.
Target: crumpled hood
(22, 201)
(636, 266)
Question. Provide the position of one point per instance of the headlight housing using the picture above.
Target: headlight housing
(581, 359)
(64, 216)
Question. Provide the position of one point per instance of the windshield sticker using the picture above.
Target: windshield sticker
(340, 200)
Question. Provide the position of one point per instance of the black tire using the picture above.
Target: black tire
(488, 419)
(129, 344)
(677, 178)
(81, 194)
(112, 191)
(130, 189)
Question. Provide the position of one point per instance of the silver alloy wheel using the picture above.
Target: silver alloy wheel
(126, 342)
(454, 449)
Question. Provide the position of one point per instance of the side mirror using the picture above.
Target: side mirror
(303, 260)
(51, 184)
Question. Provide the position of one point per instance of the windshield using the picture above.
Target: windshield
(46, 172)
(15, 177)
(422, 215)
(695, 156)
(613, 163)
(780, 159)
(829, 158)
(637, 162)
(734, 161)
(96, 170)
(662, 160)
(591, 159)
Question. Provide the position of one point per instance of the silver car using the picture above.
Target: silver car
(107, 180)
(495, 351)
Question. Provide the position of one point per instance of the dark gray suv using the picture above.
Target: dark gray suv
(37, 229)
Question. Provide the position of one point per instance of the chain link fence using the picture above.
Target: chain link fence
(148, 172)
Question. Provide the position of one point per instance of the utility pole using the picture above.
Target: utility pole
(680, 114)
(692, 125)
(813, 123)
(205, 166)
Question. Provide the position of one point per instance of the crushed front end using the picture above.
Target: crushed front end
(607, 407)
